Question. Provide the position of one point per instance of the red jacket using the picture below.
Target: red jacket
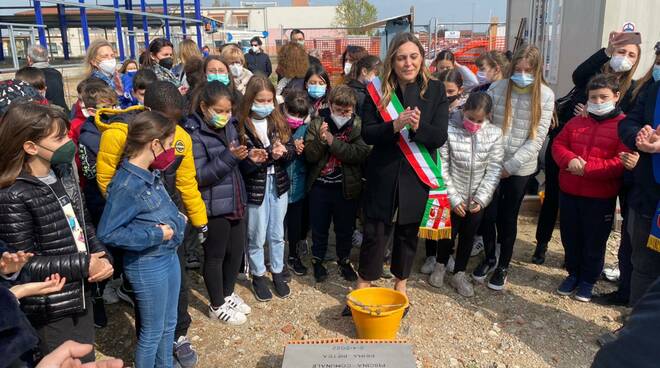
(74, 133)
(597, 142)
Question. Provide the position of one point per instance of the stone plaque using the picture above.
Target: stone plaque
(354, 354)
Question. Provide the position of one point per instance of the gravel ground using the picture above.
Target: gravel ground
(527, 325)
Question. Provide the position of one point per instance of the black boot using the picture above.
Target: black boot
(539, 254)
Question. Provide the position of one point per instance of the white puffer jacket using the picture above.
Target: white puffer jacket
(471, 163)
(520, 152)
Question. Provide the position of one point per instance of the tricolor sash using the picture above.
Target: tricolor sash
(654, 236)
(436, 223)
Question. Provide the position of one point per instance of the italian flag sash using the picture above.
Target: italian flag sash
(436, 223)
(654, 236)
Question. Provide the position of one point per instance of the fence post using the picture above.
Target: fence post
(198, 16)
(118, 25)
(145, 24)
(40, 21)
(83, 24)
(183, 22)
(129, 28)
(12, 44)
(167, 21)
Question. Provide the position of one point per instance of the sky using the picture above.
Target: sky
(444, 10)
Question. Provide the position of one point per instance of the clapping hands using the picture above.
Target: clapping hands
(648, 139)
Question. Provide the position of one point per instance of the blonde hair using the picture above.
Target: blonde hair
(625, 78)
(390, 80)
(90, 57)
(232, 52)
(188, 50)
(533, 56)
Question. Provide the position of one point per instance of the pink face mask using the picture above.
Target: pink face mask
(471, 126)
(294, 123)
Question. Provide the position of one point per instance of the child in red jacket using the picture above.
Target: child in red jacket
(587, 153)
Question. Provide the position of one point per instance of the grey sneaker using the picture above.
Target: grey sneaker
(184, 354)
(451, 263)
(428, 265)
(462, 284)
(477, 246)
(438, 276)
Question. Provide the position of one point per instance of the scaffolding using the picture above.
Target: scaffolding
(123, 13)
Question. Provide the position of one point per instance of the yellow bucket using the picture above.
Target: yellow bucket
(377, 312)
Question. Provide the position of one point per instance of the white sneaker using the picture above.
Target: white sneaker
(477, 246)
(462, 284)
(450, 263)
(228, 315)
(238, 304)
(428, 265)
(438, 276)
(357, 238)
(612, 273)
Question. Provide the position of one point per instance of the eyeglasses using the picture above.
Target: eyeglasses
(255, 45)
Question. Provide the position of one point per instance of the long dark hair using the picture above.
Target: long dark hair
(146, 127)
(257, 84)
(210, 94)
(21, 123)
(317, 69)
(154, 47)
(369, 63)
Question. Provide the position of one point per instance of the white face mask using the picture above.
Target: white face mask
(600, 109)
(108, 66)
(340, 121)
(85, 112)
(255, 49)
(236, 69)
(347, 68)
(620, 64)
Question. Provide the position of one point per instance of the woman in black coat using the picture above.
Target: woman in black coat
(395, 196)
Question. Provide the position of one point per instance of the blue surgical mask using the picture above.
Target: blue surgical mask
(656, 72)
(205, 53)
(222, 78)
(262, 110)
(316, 90)
(522, 80)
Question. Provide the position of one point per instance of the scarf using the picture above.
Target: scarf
(436, 222)
(654, 236)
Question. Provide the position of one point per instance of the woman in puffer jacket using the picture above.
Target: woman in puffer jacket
(43, 212)
(523, 107)
(471, 167)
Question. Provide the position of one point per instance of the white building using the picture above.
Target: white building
(569, 31)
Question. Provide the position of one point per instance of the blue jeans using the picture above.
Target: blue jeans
(267, 220)
(156, 281)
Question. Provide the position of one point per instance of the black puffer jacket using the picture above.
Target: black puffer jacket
(32, 220)
(255, 174)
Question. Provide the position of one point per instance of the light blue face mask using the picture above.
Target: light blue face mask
(656, 72)
(262, 110)
(222, 78)
(316, 90)
(522, 80)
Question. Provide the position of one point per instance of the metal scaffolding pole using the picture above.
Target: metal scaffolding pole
(40, 21)
(145, 25)
(129, 25)
(183, 22)
(120, 36)
(167, 21)
(83, 24)
(61, 13)
(198, 16)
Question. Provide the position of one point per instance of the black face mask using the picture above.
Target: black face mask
(166, 63)
(453, 98)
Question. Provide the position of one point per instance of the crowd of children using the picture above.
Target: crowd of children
(157, 159)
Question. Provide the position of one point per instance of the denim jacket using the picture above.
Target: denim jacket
(297, 169)
(137, 203)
